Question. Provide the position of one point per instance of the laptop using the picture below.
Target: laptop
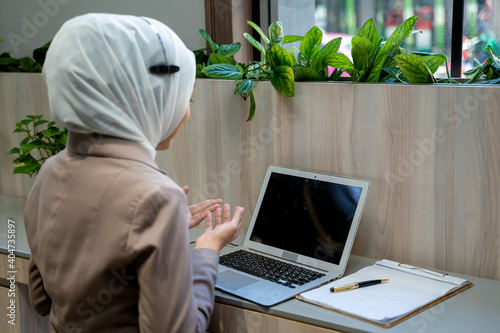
(300, 236)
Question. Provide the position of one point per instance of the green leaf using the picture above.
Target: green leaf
(199, 73)
(218, 59)
(278, 56)
(331, 47)
(251, 112)
(432, 61)
(14, 151)
(292, 39)
(301, 61)
(338, 60)
(394, 41)
(336, 74)
(26, 148)
(213, 45)
(401, 33)
(255, 43)
(283, 80)
(471, 72)
(244, 87)
(495, 81)
(62, 139)
(257, 28)
(229, 50)
(390, 62)
(369, 31)
(27, 64)
(48, 133)
(20, 130)
(414, 69)
(40, 53)
(24, 141)
(307, 74)
(276, 34)
(311, 43)
(19, 125)
(28, 168)
(34, 117)
(26, 122)
(361, 50)
(10, 61)
(495, 59)
(201, 57)
(223, 71)
(40, 122)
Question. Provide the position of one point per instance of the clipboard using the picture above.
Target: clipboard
(408, 285)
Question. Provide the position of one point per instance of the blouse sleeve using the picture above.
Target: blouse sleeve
(176, 284)
(39, 298)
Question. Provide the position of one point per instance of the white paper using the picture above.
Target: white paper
(402, 294)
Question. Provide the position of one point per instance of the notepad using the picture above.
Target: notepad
(409, 291)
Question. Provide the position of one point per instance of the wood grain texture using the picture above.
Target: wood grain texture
(5, 300)
(20, 95)
(227, 318)
(21, 267)
(431, 153)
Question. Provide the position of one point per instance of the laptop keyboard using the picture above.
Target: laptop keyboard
(270, 269)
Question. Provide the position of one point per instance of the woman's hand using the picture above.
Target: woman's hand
(222, 233)
(200, 211)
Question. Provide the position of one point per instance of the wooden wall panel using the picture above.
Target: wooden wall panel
(20, 95)
(431, 153)
(227, 318)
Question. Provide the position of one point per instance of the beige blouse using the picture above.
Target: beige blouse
(110, 246)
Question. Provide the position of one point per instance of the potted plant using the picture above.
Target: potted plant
(38, 144)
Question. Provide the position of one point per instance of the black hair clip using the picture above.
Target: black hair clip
(163, 69)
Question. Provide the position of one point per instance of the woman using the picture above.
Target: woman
(108, 230)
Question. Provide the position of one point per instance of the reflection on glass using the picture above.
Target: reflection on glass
(481, 29)
(306, 216)
(343, 18)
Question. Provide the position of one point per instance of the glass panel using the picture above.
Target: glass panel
(343, 18)
(481, 28)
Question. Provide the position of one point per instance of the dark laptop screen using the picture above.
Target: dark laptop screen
(306, 216)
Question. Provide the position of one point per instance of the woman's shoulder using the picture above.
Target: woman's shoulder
(146, 178)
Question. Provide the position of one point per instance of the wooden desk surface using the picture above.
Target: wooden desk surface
(476, 309)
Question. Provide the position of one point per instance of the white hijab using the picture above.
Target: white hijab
(97, 73)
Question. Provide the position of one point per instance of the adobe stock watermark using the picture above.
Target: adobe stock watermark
(252, 322)
(89, 308)
(30, 26)
(454, 117)
(249, 149)
(422, 322)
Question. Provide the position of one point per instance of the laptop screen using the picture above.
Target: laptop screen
(306, 216)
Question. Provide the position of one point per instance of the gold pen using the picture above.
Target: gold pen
(357, 285)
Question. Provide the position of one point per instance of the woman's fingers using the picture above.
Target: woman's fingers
(208, 224)
(227, 213)
(218, 216)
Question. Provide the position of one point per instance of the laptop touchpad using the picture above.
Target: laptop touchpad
(234, 281)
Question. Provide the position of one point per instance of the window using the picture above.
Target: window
(481, 28)
(343, 18)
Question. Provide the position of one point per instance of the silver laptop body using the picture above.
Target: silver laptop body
(302, 218)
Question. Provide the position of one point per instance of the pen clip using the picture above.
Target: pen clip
(423, 270)
(346, 287)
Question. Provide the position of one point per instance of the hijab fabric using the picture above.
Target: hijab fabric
(98, 79)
